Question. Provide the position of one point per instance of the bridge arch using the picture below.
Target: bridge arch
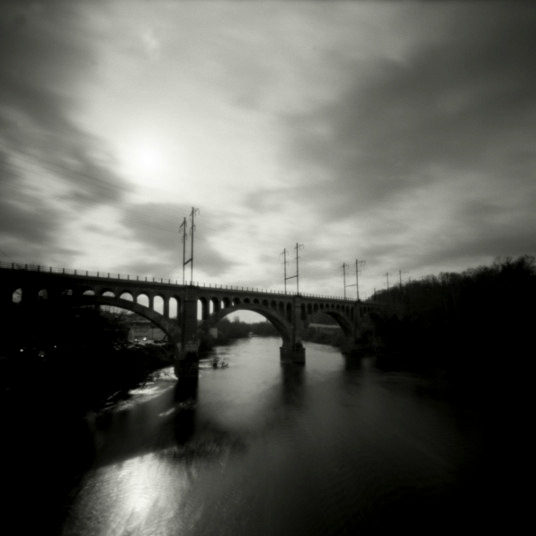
(170, 328)
(343, 321)
(283, 327)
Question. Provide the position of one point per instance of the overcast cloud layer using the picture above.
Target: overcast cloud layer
(399, 133)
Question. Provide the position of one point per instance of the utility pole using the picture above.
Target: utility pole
(192, 216)
(297, 275)
(298, 247)
(400, 278)
(356, 284)
(183, 226)
(190, 261)
(357, 264)
(285, 267)
(344, 265)
(387, 277)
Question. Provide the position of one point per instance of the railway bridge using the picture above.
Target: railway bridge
(182, 311)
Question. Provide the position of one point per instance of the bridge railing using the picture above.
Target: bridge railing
(129, 277)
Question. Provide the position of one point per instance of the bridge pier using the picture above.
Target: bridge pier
(351, 348)
(187, 361)
(292, 350)
(292, 353)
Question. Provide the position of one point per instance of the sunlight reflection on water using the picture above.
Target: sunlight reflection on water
(265, 448)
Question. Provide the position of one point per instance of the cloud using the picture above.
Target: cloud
(463, 104)
(455, 116)
(44, 55)
(23, 231)
(52, 171)
(400, 134)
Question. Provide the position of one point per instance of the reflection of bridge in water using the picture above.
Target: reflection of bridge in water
(182, 311)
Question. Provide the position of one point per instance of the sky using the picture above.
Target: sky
(398, 134)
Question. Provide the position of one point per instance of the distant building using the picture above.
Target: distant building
(144, 331)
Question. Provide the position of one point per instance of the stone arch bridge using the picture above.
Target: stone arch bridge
(182, 311)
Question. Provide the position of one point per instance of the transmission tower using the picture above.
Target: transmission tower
(183, 226)
(297, 274)
(189, 261)
(358, 263)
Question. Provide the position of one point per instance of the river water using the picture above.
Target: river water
(264, 448)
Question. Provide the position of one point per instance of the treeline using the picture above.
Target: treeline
(466, 324)
(229, 331)
(81, 355)
(332, 337)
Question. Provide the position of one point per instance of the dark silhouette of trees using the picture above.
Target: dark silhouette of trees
(473, 325)
(76, 354)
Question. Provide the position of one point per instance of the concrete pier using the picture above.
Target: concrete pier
(294, 353)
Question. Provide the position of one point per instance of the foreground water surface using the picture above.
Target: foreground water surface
(261, 448)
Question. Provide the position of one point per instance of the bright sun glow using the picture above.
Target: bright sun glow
(147, 158)
(143, 157)
(147, 162)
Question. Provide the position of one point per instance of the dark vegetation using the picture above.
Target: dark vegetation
(326, 331)
(81, 356)
(476, 327)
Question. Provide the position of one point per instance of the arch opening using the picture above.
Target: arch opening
(173, 305)
(143, 299)
(326, 327)
(158, 304)
(248, 318)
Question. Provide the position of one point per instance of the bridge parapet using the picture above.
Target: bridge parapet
(136, 278)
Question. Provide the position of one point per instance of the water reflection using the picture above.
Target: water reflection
(183, 411)
(292, 384)
(261, 447)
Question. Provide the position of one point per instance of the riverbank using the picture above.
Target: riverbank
(84, 378)
(47, 401)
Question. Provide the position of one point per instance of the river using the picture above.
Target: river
(264, 448)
